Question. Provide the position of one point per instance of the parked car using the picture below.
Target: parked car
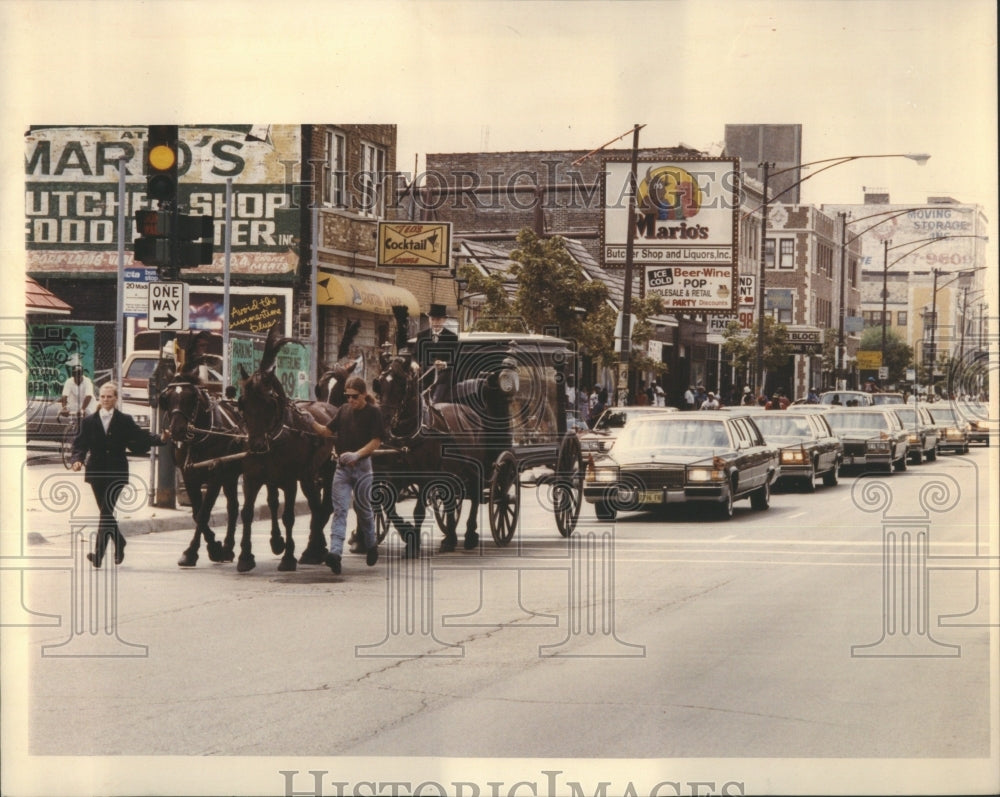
(140, 365)
(953, 429)
(921, 432)
(879, 399)
(611, 423)
(870, 436)
(980, 425)
(44, 421)
(846, 398)
(713, 457)
(807, 446)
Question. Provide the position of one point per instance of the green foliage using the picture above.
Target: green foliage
(741, 346)
(552, 292)
(898, 354)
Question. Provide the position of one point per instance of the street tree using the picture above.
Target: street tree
(741, 346)
(898, 354)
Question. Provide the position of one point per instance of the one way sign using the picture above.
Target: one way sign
(168, 306)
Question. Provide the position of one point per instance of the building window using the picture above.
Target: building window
(335, 177)
(872, 318)
(901, 318)
(786, 258)
(769, 253)
(784, 316)
(853, 273)
(372, 180)
(824, 260)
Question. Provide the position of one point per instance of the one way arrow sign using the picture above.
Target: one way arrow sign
(168, 306)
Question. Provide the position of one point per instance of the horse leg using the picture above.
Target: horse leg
(232, 514)
(279, 545)
(190, 555)
(474, 493)
(316, 549)
(205, 515)
(246, 561)
(272, 504)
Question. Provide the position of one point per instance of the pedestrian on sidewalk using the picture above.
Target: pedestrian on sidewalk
(102, 442)
(357, 429)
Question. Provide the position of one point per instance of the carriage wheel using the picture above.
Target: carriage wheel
(446, 508)
(567, 493)
(505, 498)
(382, 494)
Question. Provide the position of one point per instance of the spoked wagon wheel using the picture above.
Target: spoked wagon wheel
(446, 506)
(567, 493)
(381, 497)
(505, 498)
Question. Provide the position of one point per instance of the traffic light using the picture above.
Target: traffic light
(170, 240)
(161, 163)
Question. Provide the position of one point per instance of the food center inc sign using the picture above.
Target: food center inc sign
(71, 195)
(686, 224)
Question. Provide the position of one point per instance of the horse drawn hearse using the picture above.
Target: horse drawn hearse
(507, 415)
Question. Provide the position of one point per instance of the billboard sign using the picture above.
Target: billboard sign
(408, 244)
(686, 212)
(693, 289)
(71, 195)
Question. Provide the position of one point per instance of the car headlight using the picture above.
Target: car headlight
(701, 474)
(602, 474)
(793, 456)
(913, 439)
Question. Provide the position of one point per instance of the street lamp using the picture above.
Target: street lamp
(920, 159)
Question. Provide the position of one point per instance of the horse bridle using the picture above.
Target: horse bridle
(201, 405)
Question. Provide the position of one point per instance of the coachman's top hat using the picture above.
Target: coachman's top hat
(437, 311)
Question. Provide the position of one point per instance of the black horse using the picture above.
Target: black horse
(438, 449)
(330, 385)
(208, 443)
(284, 452)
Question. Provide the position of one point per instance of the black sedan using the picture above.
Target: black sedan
(712, 457)
(610, 424)
(953, 428)
(870, 436)
(921, 431)
(807, 445)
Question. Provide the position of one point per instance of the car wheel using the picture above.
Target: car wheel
(901, 463)
(761, 498)
(832, 477)
(604, 511)
(809, 483)
(726, 507)
(932, 454)
(965, 449)
(918, 457)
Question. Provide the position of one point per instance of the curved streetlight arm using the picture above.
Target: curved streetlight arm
(919, 158)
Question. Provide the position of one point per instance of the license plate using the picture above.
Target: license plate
(652, 496)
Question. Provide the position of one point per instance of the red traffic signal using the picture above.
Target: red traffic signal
(161, 162)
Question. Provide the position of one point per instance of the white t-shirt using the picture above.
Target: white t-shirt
(76, 393)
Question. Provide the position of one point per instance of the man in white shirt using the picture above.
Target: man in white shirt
(77, 393)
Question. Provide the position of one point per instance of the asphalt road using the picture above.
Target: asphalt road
(800, 632)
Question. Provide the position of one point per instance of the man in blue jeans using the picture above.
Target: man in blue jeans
(357, 428)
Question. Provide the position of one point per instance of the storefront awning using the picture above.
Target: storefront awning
(365, 295)
(39, 300)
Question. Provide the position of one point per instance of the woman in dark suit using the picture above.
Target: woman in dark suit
(102, 443)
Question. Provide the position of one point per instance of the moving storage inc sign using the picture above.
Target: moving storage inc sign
(71, 195)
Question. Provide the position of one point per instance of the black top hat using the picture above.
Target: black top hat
(437, 311)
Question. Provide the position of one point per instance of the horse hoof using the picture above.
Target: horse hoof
(471, 541)
(188, 559)
(246, 564)
(277, 545)
(215, 552)
(286, 565)
(447, 546)
(312, 557)
(228, 554)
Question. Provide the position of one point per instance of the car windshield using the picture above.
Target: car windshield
(857, 420)
(141, 368)
(907, 416)
(945, 416)
(676, 434)
(780, 425)
(611, 420)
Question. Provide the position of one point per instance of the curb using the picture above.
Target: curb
(179, 520)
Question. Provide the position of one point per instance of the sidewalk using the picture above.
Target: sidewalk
(45, 512)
